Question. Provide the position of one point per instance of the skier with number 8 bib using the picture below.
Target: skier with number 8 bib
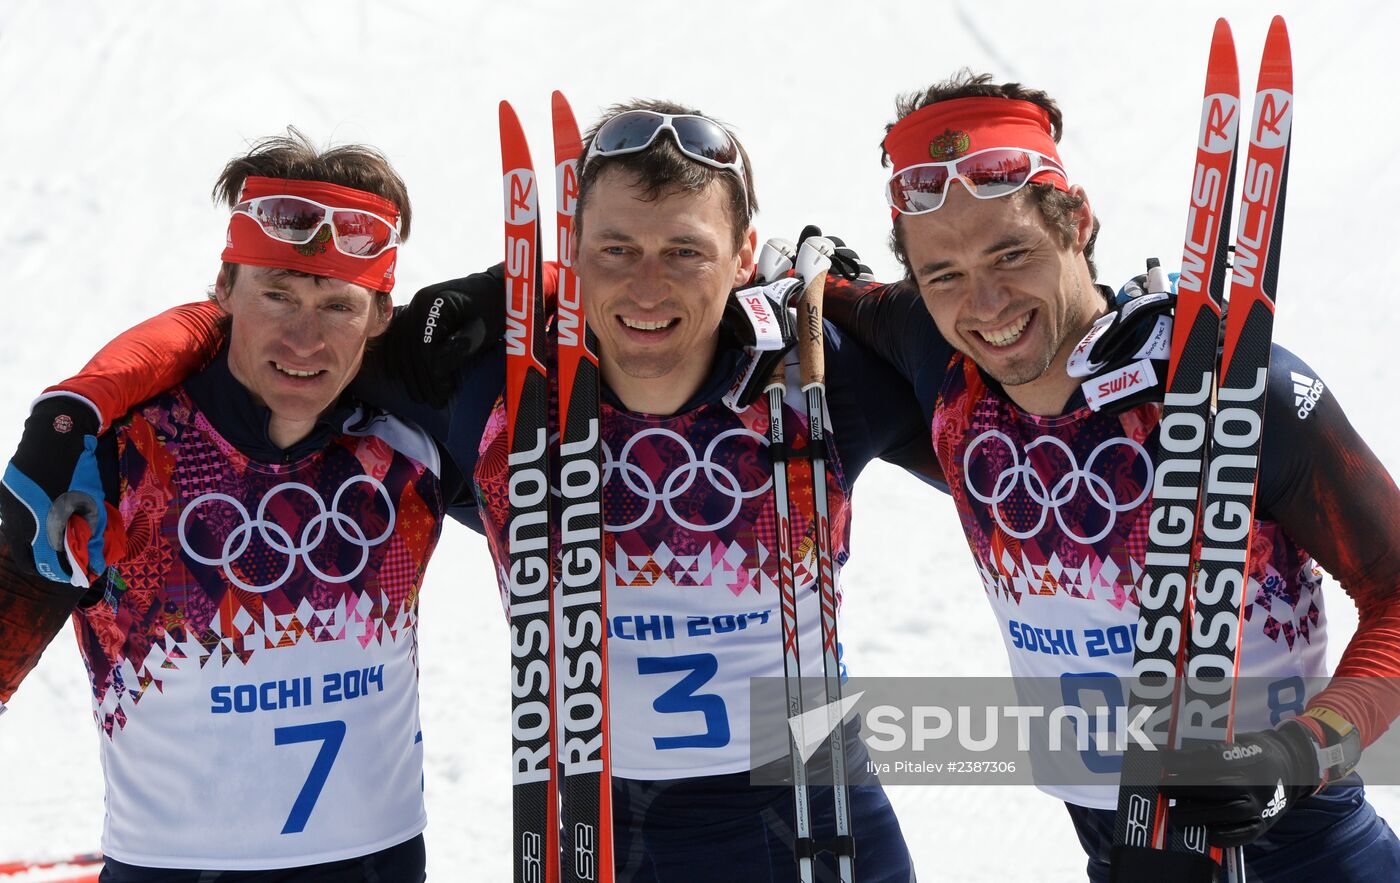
(1049, 446)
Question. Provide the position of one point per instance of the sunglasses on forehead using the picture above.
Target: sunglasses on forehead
(297, 220)
(987, 174)
(699, 138)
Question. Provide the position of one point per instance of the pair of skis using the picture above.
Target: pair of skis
(561, 773)
(565, 736)
(1197, 567)
(812, 263)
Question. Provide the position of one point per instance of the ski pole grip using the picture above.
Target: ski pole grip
(813, 262)
(778, 378)
(811, 337)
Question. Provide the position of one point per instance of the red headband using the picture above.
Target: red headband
(947, 130)
(248, 244)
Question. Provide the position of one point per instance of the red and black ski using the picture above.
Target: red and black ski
(1207, 468)
(584, 761)
(534, 783)
(80, 868)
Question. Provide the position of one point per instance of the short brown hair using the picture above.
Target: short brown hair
(1056, 206)
(293, 156)
(662, 169)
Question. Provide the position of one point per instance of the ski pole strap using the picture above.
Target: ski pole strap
(808, 847)
(1339, 743)
(1143, 864)
(842, 844)
(782, 453)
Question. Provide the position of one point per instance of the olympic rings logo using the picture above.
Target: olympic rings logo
(277, 537)
(679, 480)
(1054, 498)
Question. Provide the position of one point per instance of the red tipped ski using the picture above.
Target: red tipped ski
(1163, 596)
(1205, 590)
(585, 763)
(534, 785)
(81, 868)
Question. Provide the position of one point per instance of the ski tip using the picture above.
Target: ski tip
(1276, 68)
(1223, 68)
(558, 103)
(1278, 36)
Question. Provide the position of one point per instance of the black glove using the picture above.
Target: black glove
(845, 263)
(441, 329)
(759, 319)
(52, 476)
(1238, 790)
(1125, 354)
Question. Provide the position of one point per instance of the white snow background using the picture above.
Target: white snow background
(118, 116)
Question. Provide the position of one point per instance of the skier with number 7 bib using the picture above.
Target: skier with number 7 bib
(245, 552)
(663, 235)
(1049, 447)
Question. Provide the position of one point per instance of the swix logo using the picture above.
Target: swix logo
(1219, 120)
(434, 313)
(1273, 118)
(1126, 379)
(1120, 383)
(1277, 803)
(1241, 752)
(1081, 363)
(767, 334)
(1307, 392)
(566, 182)
(521, 205)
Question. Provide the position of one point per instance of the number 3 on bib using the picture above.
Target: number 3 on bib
(682, 698)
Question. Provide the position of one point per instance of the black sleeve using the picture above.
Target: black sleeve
(891, 321)
(457, 428)
(875, 413)
(1324, 486)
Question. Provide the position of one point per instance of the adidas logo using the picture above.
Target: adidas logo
(1307, 391)
(1277, 803)
(1240, 752)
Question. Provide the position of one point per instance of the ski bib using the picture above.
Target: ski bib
(1056, 510)
(254, 661)
(692, 579)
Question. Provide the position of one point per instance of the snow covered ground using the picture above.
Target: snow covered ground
(121, 115)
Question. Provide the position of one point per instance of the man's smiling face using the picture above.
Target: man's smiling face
(1002, 285)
